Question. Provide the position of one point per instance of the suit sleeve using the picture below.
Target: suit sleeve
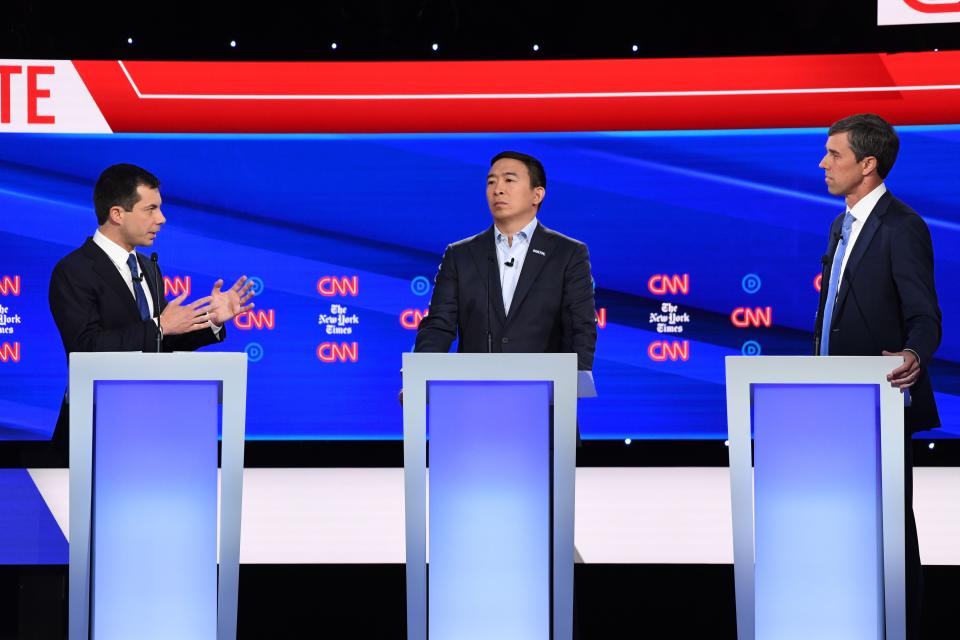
(579, 315)
(76, 311)
(912, 263)
(438, 329)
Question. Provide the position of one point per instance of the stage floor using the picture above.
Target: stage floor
(648, 515)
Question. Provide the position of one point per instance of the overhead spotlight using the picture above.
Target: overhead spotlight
(333, 45)
(129, 40)
(726, 443)
(930, 446)
(233, 44)
(536, 47)
(435, 46)
(627, 441)
(635, 48)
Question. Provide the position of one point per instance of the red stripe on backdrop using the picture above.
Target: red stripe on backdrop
(387, 97)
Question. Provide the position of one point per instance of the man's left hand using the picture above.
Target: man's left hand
(906, 374)
(225, 305)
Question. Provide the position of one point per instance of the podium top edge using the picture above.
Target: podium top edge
(810, 369)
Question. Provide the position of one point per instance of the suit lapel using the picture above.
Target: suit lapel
(484, 254)
(860, 249)
(108, 272)
(541, 246)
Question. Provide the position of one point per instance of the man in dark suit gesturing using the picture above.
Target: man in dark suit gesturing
(878, 295)
(105, 296)
(517, 287)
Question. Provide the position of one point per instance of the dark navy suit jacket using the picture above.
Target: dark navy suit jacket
(95, 311)
(552, 310)
(887, 300)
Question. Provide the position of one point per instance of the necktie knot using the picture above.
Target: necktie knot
(134, 268)
(848, 220)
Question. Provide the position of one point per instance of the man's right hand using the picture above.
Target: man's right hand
(177, 318)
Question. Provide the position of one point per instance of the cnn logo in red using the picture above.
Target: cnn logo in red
(662, 350)
(176, 286)
(743, 317)
(10, 286)
(410, 318)
(10, 352)
(333, 352)
(330, 286)
(660, 284)
(256, 319)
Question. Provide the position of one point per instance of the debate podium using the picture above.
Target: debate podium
(818, 517)
(144, 517)
(502, 430)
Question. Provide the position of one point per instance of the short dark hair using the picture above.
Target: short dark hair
(117, 185)
(870, 135)
(538, 177)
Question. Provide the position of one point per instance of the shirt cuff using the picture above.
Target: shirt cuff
(915, 354)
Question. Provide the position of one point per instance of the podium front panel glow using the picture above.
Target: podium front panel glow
(154, 549)
(819, 561)
(489, 505)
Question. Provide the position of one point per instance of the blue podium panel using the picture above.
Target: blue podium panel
(818, 544)
(489, 505)
(154, 521)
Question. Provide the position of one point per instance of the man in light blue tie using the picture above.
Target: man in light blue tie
(878, 295)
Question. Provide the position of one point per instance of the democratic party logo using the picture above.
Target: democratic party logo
(420, 286)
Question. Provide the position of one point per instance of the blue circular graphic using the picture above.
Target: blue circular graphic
(254, 352)
(750, 348)
(257, 286)
(751, 283)
(420, 286)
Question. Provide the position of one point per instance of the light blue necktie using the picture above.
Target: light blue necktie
(834, 284)
(137, 289)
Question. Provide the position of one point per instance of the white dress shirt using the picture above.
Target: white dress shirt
(118, 256)
(860, 212)
(517, 252)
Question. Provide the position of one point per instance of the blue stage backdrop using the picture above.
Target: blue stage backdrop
(704, 244)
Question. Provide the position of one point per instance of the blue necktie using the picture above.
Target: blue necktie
(137, 289)
(834, 284)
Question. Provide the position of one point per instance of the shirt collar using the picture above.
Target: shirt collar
(861, 211)
(117, 254)
(526, 233)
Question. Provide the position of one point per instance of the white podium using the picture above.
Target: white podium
(144, 490)
(502, 430)
(818, 514)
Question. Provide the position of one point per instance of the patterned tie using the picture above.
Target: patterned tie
(834, 284)
(137, 288)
